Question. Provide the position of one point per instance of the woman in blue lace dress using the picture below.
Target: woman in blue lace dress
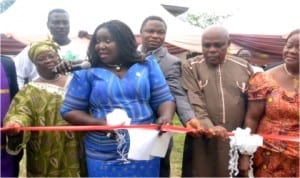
(119, 78)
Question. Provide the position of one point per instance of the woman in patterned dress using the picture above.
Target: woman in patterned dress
(48, 153)
(274, 109)
(119, 78)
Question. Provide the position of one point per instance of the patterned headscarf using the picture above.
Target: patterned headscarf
(37, 48)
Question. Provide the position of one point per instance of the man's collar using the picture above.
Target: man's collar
(141, 49)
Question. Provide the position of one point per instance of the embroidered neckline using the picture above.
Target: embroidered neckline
(56, 78)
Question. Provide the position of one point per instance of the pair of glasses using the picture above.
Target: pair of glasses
(216, 45)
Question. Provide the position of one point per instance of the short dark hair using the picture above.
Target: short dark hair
(125, 41)
(152, 17)
(56, 10)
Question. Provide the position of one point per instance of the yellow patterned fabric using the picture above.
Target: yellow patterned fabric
(49, 153)
(40, 46)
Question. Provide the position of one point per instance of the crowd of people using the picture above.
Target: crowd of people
(212, 93)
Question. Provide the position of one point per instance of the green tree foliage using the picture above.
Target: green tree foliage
(5, 4)
(204, 20)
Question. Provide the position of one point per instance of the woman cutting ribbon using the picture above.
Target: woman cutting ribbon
(49, 154)
(273, 108)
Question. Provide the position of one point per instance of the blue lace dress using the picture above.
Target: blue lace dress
(98, 91)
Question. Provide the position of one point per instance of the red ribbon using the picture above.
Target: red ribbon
(166, 128)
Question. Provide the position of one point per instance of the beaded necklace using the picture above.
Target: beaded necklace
(116, 66)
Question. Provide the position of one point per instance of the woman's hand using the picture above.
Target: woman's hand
(163, 121)
(14, 128)
(63, 67)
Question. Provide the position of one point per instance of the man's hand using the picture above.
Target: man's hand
(195, 126)
(217, 131)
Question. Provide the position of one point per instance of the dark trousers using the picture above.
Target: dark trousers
(165, 166)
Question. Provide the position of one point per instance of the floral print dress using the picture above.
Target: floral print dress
(276, 158)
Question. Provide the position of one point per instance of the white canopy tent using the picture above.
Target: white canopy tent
(265, 17)
(26, 19)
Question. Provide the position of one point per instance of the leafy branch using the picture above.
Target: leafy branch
(204, 20)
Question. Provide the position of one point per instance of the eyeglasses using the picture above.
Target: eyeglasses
(215, 45)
